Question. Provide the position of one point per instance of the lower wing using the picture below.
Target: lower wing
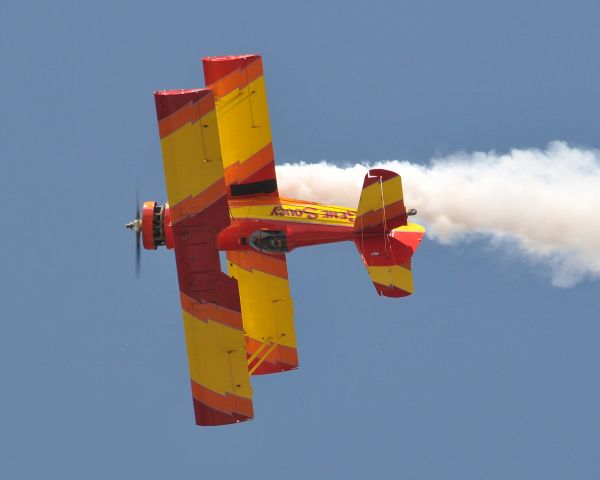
(209, 298)
(267, 309)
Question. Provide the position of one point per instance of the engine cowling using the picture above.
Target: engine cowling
(156, 226)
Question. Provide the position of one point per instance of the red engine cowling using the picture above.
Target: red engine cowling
(156, 226)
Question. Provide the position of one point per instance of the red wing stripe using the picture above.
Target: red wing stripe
(197, 203)
(217, 67)
(241, 171)
(390, 291)
(209, 417)
(281, 359)
(266, 175)
(210, 311)
(189, 112)
(228, 403)
(250, 69)
(271, 264)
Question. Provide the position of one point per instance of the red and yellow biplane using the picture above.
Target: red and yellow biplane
(222, 195)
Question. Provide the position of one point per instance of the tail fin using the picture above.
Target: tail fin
(384, 239)
(381, 206)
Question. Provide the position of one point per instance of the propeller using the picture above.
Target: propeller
(136, 226)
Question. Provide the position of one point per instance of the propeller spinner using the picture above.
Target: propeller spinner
(152, 229)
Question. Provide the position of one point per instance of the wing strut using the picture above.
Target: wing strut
(256, 354)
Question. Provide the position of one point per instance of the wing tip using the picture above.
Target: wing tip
(210, 417)
(227, 72)
(169, 102)
(230, 58)
(391, 291)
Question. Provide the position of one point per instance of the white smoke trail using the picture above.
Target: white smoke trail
(545, 202)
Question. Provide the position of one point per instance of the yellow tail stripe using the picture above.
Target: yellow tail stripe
(393, 275)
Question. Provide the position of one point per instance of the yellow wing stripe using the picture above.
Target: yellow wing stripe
(210, 311)
(209, 359)
(192, 159)
(243, 122)
(264, 319)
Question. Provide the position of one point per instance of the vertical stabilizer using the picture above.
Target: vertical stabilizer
(381, 206)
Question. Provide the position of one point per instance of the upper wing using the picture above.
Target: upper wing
(267, 309)
(245, 135)
(210, 300)
(244, 129)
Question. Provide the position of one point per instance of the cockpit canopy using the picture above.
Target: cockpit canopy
(269, 241)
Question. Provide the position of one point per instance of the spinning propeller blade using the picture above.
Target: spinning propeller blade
(136, 226)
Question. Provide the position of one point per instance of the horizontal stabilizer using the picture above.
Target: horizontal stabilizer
(388, 259)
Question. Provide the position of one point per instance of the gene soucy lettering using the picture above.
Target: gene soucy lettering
(312, 213)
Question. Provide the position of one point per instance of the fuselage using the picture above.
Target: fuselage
(272, 225)
(278, 225)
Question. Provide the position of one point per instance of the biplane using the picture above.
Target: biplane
(222, 196)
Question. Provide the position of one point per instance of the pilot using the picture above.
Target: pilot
(268, 241)
(274, 243)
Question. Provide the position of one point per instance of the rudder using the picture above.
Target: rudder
(381, 206)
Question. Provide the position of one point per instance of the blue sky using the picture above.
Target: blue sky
(486, 372)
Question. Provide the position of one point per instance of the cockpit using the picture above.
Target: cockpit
(269, 241)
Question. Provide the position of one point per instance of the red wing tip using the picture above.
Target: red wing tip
(209, 417)
(391, 291)
(268, 368)
(228, 58)
(182, 91)
(218, 68)
(169, 101)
